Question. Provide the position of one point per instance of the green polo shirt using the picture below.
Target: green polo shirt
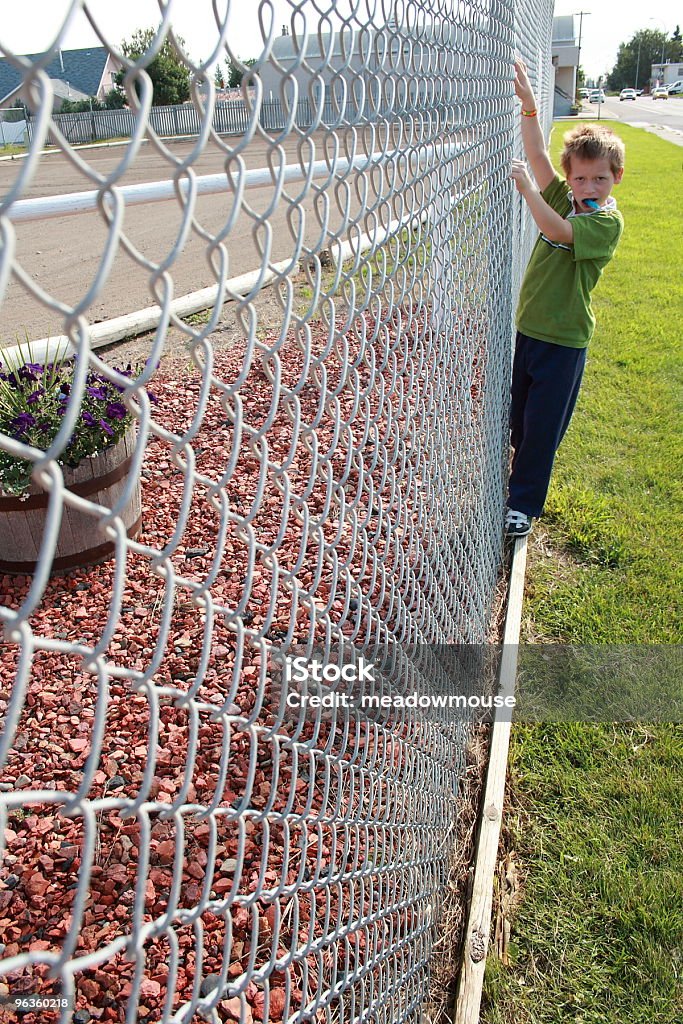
(555, 298)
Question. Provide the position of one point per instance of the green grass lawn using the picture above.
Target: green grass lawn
(596, 816)
(12, 150)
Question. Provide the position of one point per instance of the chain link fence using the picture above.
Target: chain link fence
(306, 504)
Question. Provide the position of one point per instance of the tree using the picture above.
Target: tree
(219, 78)
(235, 73)
(674, 48)
(647, 45)
(170, 77)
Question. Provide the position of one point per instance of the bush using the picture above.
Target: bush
(114, 100)
(79, 106)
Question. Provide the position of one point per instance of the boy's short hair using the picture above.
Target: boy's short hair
(593, 142)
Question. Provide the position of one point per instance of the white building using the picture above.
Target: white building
(378, 69)
(565, 54)
(666, 74)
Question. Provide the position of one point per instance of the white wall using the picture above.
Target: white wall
(12, 133)
(672, 72)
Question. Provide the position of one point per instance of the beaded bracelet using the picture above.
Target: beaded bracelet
(529, 113)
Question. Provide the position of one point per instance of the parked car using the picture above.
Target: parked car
(675, 88)
(584, 94)
(596, 96)
(627, 94)
(660, 93)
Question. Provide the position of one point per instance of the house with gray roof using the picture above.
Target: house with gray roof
(75, 74)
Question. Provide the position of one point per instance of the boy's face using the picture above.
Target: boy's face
(591, 179)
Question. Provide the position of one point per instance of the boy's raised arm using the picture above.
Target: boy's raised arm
(532, 136)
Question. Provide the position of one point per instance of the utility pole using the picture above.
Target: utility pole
(580, 15)
(664, 41)
(635, 84)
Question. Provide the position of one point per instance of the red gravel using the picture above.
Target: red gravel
(208, 679)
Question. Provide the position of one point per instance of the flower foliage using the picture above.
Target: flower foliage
(34, 398)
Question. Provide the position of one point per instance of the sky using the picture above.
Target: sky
(612, 22)
(29, 26)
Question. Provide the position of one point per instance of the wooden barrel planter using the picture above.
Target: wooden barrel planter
(99, 478)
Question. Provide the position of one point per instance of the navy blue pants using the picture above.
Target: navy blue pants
(545, 385)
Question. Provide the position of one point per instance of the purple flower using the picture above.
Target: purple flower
(153, 398)
(106, 428)
(64, 392)
(116, 411)
(100, 393)
(22, 422)
(88, 418)
(32, 399)
(35, 367)
(27, 372)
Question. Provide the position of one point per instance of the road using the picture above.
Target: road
(61, 255)
(666, 116)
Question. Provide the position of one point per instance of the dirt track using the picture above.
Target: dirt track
(61, 255)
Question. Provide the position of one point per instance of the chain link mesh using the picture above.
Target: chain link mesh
(177, 845)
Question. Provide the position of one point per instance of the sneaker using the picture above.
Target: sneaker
(517, 524)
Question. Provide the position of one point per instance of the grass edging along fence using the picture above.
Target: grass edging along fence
(478, 926)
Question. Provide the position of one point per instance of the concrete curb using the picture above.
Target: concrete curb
(44, 350)
(101, 145)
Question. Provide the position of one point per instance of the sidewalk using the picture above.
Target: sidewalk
(589, 112)
(674, 135)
